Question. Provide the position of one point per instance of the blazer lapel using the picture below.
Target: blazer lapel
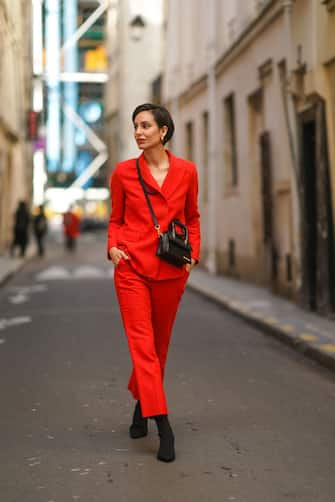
(174, 176)
(146, 174)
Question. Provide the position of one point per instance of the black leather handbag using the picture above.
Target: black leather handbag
(173, 245)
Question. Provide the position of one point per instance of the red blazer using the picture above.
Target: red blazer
(130, 225)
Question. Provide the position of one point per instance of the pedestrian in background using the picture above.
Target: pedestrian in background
(21, 229)
(71, 229)
(149, 289)
(40, 227)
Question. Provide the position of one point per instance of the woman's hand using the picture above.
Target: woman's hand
(116, 254)
(189, 266)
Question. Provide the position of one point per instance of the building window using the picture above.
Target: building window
(267, 196)
(156, 90)
(171, 144)
(205, 157)
(289, 275)
(231, 254)
(230, 153)
(189, 141)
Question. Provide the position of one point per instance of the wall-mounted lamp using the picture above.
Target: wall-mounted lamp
(136, 27)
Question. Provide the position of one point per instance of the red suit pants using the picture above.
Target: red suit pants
(148, 310)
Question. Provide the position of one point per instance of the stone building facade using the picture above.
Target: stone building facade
(251, 85)
(15, 98)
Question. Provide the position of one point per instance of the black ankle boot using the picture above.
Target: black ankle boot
(166, 452)
(139, 427)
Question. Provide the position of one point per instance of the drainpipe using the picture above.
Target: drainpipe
(292, 132)
(289, 109)
(211, 263)
(174, 83)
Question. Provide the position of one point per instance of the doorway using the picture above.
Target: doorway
(318, 270)
(309, 158)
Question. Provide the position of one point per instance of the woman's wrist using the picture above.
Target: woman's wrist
(112, 250)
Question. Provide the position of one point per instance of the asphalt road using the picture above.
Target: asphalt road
(254, 421)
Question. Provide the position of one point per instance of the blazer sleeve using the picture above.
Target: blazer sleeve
(116, 219)
(192, 216)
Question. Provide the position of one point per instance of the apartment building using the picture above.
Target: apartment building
(251, 85)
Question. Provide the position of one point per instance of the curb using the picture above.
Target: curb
(16, 268)
(305, 347)
(9, 274)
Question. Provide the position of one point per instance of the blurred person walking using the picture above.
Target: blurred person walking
(71, 229)
(40, 227)
(148, 288)
(21, 229)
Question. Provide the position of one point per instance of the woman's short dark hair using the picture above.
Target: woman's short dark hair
(161, 116)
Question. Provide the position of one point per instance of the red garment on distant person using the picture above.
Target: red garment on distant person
(71, 224)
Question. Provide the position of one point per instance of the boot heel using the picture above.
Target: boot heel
(138, 431)
(139, 427)
(166, 452)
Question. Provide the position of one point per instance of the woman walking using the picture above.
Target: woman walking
(40, 226)
(149, 288)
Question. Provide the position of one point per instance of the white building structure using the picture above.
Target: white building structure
(134, 44)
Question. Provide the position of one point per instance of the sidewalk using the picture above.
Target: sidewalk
(307, 332)
(9, 266)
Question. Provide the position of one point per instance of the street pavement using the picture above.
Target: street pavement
(253, 419)
(308, 332)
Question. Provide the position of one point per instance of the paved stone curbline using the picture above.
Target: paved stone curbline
(306, 332)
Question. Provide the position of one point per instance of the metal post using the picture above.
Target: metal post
(52, 44)
(70, 88)
(212, 146)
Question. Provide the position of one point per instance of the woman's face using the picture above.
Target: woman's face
(146, 131)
